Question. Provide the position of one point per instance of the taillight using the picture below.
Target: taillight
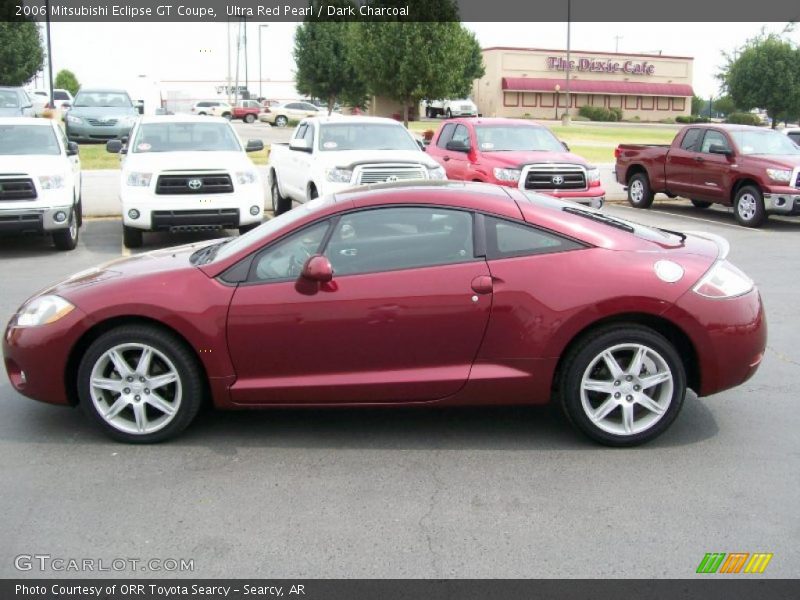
(723, 280)
(266, 109)
(617, 152)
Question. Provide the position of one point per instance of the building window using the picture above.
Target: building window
(510, 99)
(679, 104)
(662, 103)
(647, 102)
(615, 102)
(547, 100)
(598, 100)
(562, 100)
(528, 99)
(632, 102)
(581, 100)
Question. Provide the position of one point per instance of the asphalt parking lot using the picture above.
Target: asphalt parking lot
(415, 493)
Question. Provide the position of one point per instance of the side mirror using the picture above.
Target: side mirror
(254, 146)
(458, 146)
(66, 105)
(114, 146)
(566, 146)
(318, 268)
(140, 108)
(72, 148)
(421, 145)
(719, 149)
(300, 145)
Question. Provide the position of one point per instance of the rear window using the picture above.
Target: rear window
(9, 99)
(60, 95)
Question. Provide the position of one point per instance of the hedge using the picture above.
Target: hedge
(598, 113)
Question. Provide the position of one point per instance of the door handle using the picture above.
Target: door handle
(348, 252)
(482, 285)
(699, 158)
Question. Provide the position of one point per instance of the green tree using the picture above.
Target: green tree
(764, 73)
(66, 80)
(698, 104)
(21, 53)
(324, 63)
(725, 105)
(433, 56)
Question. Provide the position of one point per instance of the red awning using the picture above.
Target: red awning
(587, 86)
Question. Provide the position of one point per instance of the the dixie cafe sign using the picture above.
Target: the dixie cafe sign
(632, 67)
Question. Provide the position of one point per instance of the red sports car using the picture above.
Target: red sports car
(425, 293)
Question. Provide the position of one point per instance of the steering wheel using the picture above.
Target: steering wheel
(295, 265)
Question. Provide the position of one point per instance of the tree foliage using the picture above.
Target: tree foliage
(21, 53)
(725, 105)
(66, 80)
(698, 104)
(764, 73)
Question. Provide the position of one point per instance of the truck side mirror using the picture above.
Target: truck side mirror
(720, 149)
(254, 146)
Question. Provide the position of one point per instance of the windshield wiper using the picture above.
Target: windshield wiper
(599, 217)
(678, 233)
(207, 254)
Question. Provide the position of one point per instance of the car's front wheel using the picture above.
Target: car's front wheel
(131, 237)
(749, 207)
(67, 239)
(701, 203)
(281, 121)
(280, 204)
(141, 384)
(249, 118)
(623, 385)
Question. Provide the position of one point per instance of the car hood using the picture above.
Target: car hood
(520, 159)
(10, 112)
(33, 164)
(151, 162)
(103, 112)
(788, 161)
(352, 158)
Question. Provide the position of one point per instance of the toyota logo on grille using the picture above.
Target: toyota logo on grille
(557, 180)
(194, 184)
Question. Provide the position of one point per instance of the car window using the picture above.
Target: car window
(795, 137)
(388, 239)
(183, 137)
(309, 136)
(19, 140)
(446, 135)
(461, 134)
(713, 138)
(506, 239)
(301, 131)
(310, 107)
(691, 140)
(103, 99)
(293, 106)
(285, 259)
(60, 95)
(9, 99)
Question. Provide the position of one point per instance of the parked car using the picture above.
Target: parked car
(40, 100)
(328, 154)
(62, 98)
(215, 108)
(280, 115)
(247, 110)
(515, 153)
(40, 181)
(462, 107)
(14, 102)
(184, 173)
(451, 294)
(100, 114)
(793, 133)
(755, 170)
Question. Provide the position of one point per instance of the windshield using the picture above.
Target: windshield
(103, 99)
(365, 136)
(9, 99)
(513, 138)
(20, 140)
(764, 142)
(186, 137)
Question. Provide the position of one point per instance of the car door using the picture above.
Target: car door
(401, 321)
(713, 169)
(295, 176)
(74, 161)
(682, 162)
(459, 161)
(439, 150)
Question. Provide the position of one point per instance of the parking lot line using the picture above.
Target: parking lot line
(680, 216)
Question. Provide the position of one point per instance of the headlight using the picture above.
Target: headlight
(42, 310)
(593, 177)
(780, 175)
(723, 280)
(436, 172)
(507, 174)
(139, 179)
(51, 182)
(245, 177)
(337, 175)
(74, 119)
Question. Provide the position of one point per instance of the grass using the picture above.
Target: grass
(94, 157)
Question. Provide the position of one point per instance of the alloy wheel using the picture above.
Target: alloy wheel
(746, 206)
(637, 191)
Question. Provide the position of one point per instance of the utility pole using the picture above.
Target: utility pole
(246, 59)
(566, 91)
(617, 38)
(49, 55)
(260, 27)
(228, 86)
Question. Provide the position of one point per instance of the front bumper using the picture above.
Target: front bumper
(84, 131)
(33, 220)
(783, 203)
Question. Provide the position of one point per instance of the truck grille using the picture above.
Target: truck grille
(102, 122)
(17, 189)
(383, 174)
(195, 220)
(194, 184)
(555, 177)
(797, 181)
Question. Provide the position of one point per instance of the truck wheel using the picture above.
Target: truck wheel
(312, 192)
(249, 118)
(227, 115)
(131, 237)
(67, 239)
(281, 121)
(639, 193)
(449, 114)
(245, 228)
(279, 204)
(701, 203)
(749, 207)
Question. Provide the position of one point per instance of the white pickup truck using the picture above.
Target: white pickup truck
(40, 181)
(328, 154)
(187, 173)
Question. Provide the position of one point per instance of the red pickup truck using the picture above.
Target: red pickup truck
(247, 110)
(515, 153)
(755, 170)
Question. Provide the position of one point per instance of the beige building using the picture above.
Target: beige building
(533, 82)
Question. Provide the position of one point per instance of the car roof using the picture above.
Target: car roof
(496, 121)
(26, 121)
(443, 186)
(11, 87)
(100, 90)
(182, 119)
(352, 119)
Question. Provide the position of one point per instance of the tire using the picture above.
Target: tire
(312, 192)
(131, 237)
(281, 121)
(79, 210)
(249, 118)
(449, 114)
(245, 228)
(280, 204)
(639, 193)
(227, 115)
(67, 239)
(202, 114)
(152, 402)
(615, 410)
(748, 207)
(701, 203)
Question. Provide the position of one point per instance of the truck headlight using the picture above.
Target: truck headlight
(41, 311)
(436, 172)
(779, 175)
(51, 182)
(136, 179)
(337, 175)
(723, 280)
(507, 174)
(246, 177)
(593, 177)
(74, 120)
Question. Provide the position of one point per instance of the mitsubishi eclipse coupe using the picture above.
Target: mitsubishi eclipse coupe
(423, 293)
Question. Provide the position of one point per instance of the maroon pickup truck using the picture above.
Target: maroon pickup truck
(755, 170)
(247, 110)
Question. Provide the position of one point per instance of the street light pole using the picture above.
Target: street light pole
(49, 55)
(260, 27)
(569, 24)
(558, 88)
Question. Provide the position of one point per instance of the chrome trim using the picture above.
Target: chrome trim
(552, 167)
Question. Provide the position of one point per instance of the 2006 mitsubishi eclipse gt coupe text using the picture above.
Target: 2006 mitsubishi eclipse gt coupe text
(422, 293)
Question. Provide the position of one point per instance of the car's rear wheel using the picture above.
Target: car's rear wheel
(280, 204)
(249, 118)
(141, 384)
(749, 207)
(281, 121)
(202, 114)
(226, 115)
(131, 237)
(67, 239)
(639, 193)
(701, 203)
(623, 385)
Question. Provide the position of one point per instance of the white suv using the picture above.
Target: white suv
(183, 173)
(215, 108)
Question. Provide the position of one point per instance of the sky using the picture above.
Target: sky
(111, 54)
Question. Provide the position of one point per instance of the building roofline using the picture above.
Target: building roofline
(599, 52)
